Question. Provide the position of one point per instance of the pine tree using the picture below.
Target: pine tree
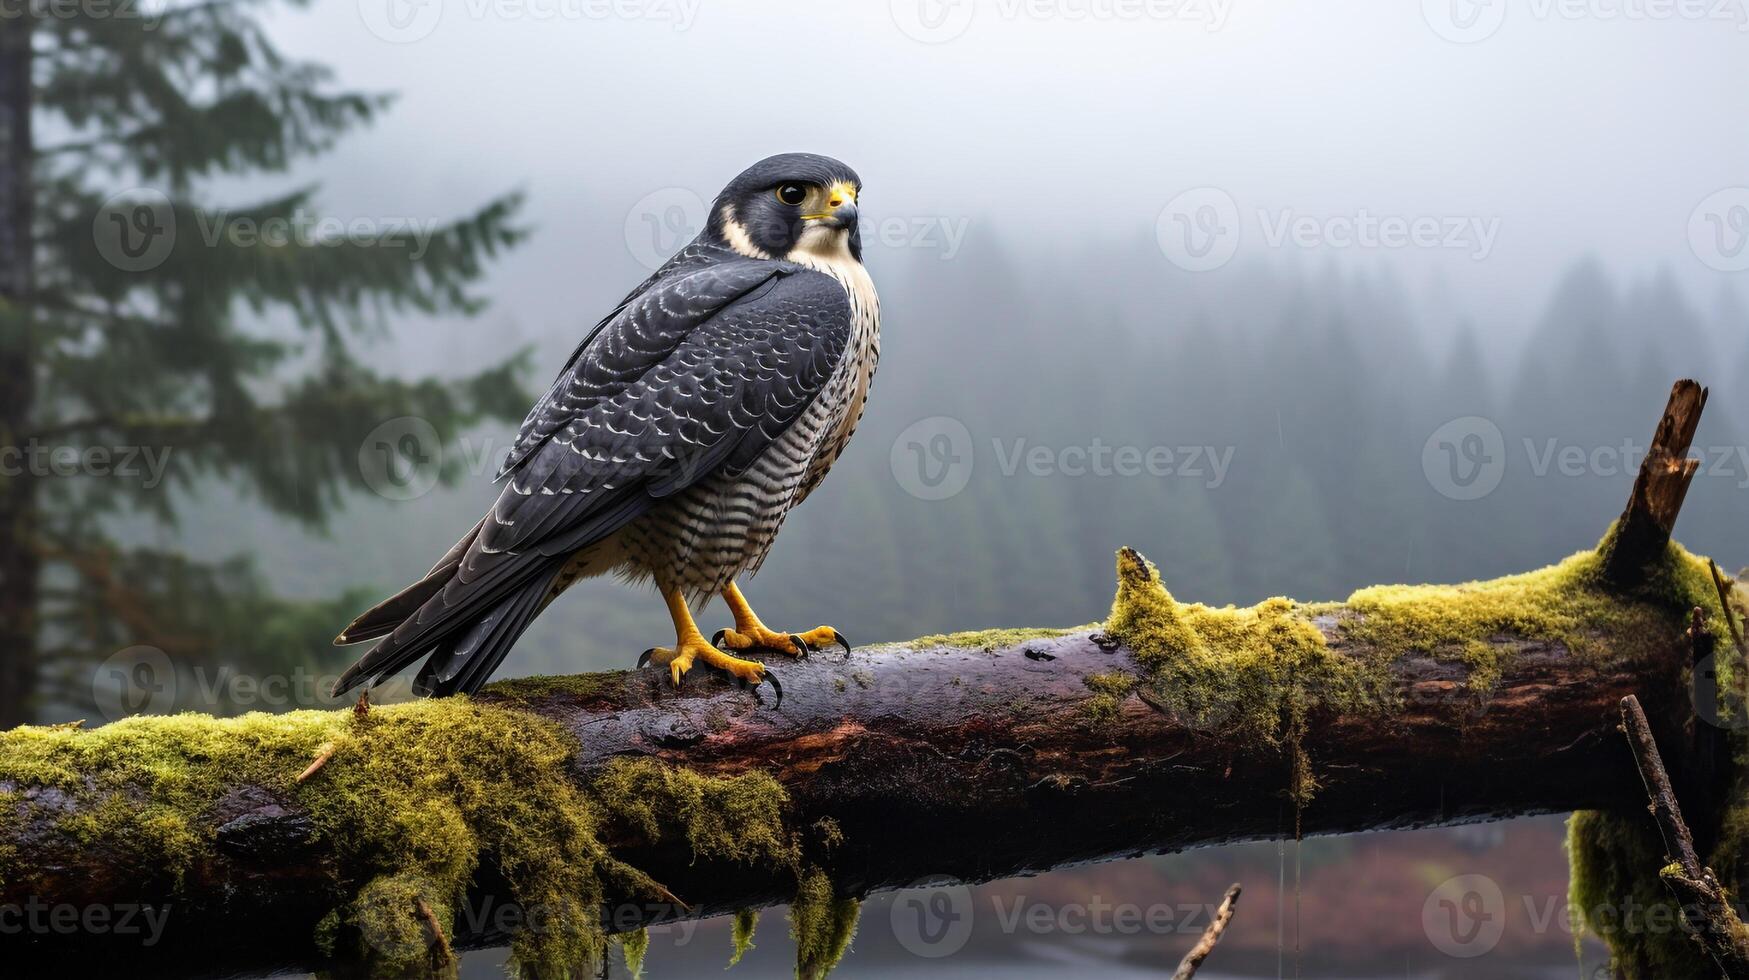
(135, 313)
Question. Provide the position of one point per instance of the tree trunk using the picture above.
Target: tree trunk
(19, 565)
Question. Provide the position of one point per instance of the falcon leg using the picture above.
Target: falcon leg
(750, 633)
(690, 646)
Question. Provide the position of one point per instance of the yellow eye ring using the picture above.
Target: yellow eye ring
(791, 194)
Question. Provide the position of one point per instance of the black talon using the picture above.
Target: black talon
(717, 638)
(802, 647)
(644, 658)
(839, 639)
(775, 686)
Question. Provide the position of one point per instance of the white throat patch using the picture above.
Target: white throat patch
(827, 250)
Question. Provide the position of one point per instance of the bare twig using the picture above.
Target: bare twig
(1678, 842)
(1725, 605)
(1192, 961)
(1704, 905)
(439, 941)
(323, 754)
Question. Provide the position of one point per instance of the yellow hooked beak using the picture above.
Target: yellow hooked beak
(836, 206)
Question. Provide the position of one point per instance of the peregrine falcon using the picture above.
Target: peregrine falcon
(714, 398)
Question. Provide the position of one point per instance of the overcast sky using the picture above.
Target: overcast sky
(1503, 144)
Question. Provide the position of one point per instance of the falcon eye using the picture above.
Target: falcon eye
(792, 194)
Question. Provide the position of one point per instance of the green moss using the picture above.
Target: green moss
(1569, 603)
(1617, 861)
(634, 945)
(822, 925)
(1115, 683)
(741, 933)
(1260, 669)
(1615, 893)
(988, 640)
(1109, 689)
(830, 833)
(389, 918)
(580, 686)
(1264, 670)
(1263, 667)
(1101, 708)
(414, 798)
(736, 819)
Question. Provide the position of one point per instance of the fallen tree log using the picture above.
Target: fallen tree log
(560, 809)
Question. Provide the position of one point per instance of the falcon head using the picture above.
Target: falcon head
(788, 202)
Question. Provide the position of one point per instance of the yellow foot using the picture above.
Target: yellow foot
(681, 658)
(756, 636)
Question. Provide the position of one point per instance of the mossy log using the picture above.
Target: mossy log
(975, 756)
(550, 812)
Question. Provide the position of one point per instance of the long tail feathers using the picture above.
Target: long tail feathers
(381, 619)
(460, 657)
(462, 664)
